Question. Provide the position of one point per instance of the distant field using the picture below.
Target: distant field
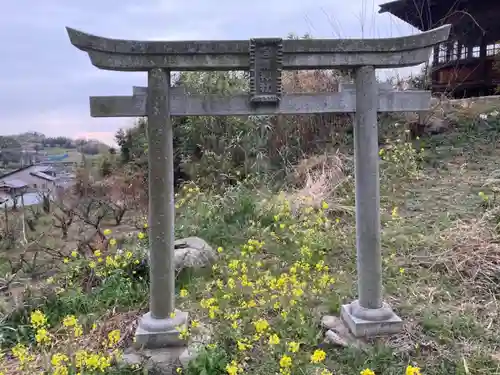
(73, 154)
(58, 150)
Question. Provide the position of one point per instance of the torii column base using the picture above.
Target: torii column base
(364, 322)
(152, 333)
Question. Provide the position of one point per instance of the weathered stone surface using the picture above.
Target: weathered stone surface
(266, 62)
(428, 125)
(239, 105)
(131, 55)
(155, 361)
(89, 42)
(193, 252)
(161, 361)
(338, 334)
(152, 333)
(161, 194)
(437, 125)
(370, 322)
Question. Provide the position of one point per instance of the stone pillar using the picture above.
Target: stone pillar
(367, 190)
(369, 315)
(161, 194)
(158, 327)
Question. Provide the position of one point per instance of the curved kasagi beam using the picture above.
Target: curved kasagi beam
(132, 55)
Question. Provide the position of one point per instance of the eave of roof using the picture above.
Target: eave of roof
(428, 14)
(43, 176)
(13, 183)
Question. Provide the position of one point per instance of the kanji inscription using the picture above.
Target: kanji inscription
(266, 61)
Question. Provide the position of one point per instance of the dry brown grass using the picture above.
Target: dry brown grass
(318, 179)
(125, 322)
(474, 254)
(307, 133)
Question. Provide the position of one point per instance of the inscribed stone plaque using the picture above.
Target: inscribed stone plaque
(266, 61)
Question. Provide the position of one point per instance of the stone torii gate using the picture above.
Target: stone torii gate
(264, 58)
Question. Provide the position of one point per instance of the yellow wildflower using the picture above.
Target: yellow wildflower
(242, 345)
(232, 368)
(141, 235)
(286, 361)
(394, 213)
(318, 356)
(70, 321)
(112, 242)
(58, 358)
(60, 370)
(107, 232)
(38, 319)
(274, 339)
(113, 337)
(183, 293)
(367, 371)
(410, 370)
(183, 332)
(261, 325)
(42, 336)
(293, 346)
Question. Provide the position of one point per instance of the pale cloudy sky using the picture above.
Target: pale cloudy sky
(45, 82)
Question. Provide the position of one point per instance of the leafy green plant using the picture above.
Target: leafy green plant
(210, 360)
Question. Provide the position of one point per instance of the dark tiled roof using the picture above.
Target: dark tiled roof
(13, 183)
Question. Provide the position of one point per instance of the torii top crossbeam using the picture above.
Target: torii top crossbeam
(129, 55)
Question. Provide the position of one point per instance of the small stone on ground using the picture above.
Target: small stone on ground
(338, 334)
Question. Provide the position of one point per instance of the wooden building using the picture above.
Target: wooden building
(469, 63)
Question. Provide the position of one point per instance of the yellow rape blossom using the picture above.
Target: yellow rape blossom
(318, 356)
(42, 336)
(70, 321)
(410, 370)
(113, 337)
(293, 346)
(274, 339)
(38, 319)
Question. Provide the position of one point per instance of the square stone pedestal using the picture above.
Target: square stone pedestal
(166, 360)
(155, 361)
(155, 333)
(370, 322)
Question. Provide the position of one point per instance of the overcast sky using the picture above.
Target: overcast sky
(45, 82)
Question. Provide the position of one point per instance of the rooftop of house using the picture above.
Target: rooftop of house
(13, 183)
(43, 176)
(478, 16)
(32, 168)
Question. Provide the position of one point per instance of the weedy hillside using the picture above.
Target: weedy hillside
(281, 220)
